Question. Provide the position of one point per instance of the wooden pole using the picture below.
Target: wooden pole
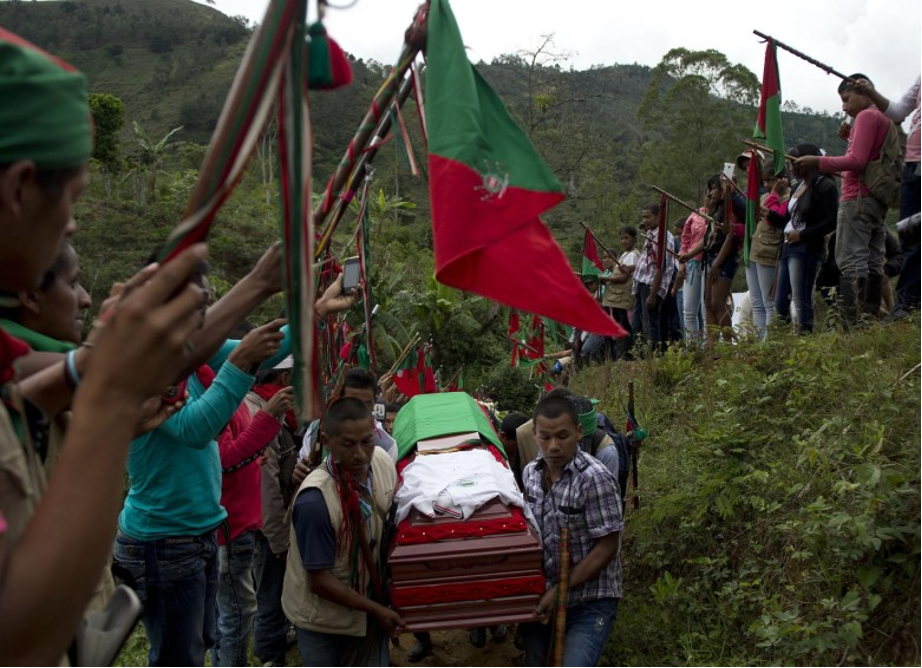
(403, 354)
(683, 203)
(804, 56)
(563, 592)
(634, 453)
(765, 149)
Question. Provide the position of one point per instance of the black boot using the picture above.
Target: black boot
(848, 301)
(872, 295)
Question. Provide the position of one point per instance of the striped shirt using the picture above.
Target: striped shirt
(585, 498)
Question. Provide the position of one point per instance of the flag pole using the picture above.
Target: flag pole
(357, 174)
(403, 354)
(804, 56)
(683, 203)
(380, 108)
(765, 149)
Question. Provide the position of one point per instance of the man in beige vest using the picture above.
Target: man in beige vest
(340, 505)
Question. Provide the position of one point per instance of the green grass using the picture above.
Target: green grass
(779, 518)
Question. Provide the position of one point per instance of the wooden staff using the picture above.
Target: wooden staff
(657, 243)
(604, 247)
(560, 598)
(683, 204)
(804, 56)
(525, 345)
(765, 149)
(403, 354)
(357, 175)
(455, 377)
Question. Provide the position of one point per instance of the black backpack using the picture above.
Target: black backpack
(622, 445)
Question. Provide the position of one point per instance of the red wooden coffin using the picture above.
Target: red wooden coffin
(483, 580)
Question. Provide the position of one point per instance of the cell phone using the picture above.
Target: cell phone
(351, 274)
(728, 170)
(379, 412)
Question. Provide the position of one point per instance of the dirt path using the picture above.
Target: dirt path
(453, 648)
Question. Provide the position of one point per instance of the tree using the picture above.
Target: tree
(696, 109)
(152, 153)
(108, 118)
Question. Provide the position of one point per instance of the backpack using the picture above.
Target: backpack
(884, 175)
(606, 428)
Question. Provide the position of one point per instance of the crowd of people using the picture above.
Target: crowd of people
(238, 523)
(811, 235)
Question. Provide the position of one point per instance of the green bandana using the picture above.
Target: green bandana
(587, 420)
(44, 114)
(38, 342)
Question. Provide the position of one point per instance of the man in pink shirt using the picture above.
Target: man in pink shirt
(860, 231)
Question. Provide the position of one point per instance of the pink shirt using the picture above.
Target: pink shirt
(864, 143)
(692, 234)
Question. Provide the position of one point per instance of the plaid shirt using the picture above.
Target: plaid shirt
(586, 498)
(645, 269)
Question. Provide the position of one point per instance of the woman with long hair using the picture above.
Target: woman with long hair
(720, 255)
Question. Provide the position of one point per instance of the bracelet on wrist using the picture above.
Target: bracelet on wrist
(71, 376)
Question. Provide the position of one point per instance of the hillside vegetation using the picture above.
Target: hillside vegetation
(779, 489)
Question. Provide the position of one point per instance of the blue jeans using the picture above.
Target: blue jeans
(647, 321)
(176, 579)
(796, 278)
(588, 627)
(909, 190)
(271, 625)
(761, 279)
(329, 649)
(693, 300)
(236, 600)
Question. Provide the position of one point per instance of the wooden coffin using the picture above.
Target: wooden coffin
(458, 583)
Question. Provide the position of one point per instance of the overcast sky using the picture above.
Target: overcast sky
(878, 37)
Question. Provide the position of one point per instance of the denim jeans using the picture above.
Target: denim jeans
(588, 627)
(909, 190)
(271, 625)
(761, 279)
(860, 238)
(328, 649)
(796, 278)
(693, 300)
(176, 579)
(236, 600)
(620, 348)
(645, 320)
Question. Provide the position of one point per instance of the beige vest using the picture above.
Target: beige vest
(302, 606)
(22, 477)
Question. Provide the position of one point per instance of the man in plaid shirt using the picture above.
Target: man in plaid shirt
(567, 487)
(650, 283)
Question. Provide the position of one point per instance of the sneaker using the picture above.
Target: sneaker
(499, 633)
(479, 637)
(291, 636)
(420, 650)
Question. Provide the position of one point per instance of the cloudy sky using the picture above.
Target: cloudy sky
(878, 37)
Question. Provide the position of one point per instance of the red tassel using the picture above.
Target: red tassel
(340, 69)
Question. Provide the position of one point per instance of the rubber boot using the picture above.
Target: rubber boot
(872, 295)
(848, 301)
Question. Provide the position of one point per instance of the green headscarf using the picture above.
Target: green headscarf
(44, 114)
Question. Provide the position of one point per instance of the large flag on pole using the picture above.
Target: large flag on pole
(488, 185)
(768, 129)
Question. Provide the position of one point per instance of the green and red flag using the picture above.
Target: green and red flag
(488, 186)
(406, 378)
(592, 263)
(769, 130)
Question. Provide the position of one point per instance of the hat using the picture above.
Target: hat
(286, 363)
(748, 153)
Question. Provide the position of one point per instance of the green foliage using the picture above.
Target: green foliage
(108, 118)
(779, 519)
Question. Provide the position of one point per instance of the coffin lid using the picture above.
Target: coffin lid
(440, 414)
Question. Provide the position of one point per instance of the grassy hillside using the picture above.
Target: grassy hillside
(779, 518)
